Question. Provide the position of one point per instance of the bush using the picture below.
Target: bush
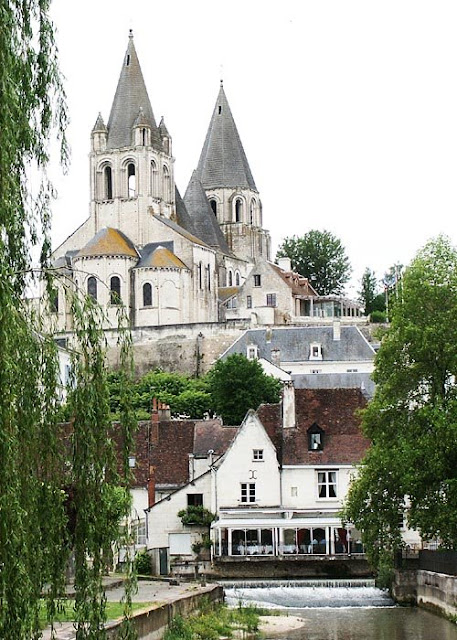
(196, 515)
(142, 563)
(378, 316)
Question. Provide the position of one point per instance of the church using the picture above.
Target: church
(165, 257)
(201, 262)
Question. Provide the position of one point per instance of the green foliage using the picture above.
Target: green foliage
(203, 543)
(142, 563)
(185, 395)
(378, 317)
(237, 384)
(214, 622)
(412, 419)
(320, 257)
(368, 290)
(196, 515)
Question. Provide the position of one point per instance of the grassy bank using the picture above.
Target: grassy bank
(214, 622)
(114, 610)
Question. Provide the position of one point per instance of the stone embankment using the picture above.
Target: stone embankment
(427, 589)
(166, 600)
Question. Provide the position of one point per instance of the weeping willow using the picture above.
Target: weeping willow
(55, 486)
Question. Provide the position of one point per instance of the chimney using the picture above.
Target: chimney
(151, 487)
(191, 467)
(284, 264)
(164, 412)
(276, 356)
(337, 330)
(288, 405)
(154, 423)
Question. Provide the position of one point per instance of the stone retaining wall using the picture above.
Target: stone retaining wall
(427, 589)
(152, 624)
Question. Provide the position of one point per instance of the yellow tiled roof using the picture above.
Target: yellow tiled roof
(109, 242)
(163, 257)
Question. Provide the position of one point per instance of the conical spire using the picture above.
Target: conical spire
(99, 125)
(131, 95)
(223, 162)
(203, 219)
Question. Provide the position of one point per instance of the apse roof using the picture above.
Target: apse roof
(109, 242)
(160, 257)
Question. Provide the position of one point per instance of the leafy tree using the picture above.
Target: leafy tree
(368, 290)
(320, 257)
(412, 419)
(34, 539)
(238, 384)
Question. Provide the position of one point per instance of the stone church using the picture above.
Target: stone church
(165, 257)
(191, 271)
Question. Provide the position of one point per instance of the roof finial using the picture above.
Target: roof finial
(130, 33)
(222, 74)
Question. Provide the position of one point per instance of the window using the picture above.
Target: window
(54, 302)
(195, 499)
(257, 280)
(238, 210)
(140, 532)
(352, 370)
(315, 438)
(248, 492)
(249, 302)
(230, 278)
(92, 287)
(154, 180)
(108, 175)
(257, 454)
(252, 212)
(213, 205)
(115, 290)
(271, 299)
(252, 352)
(131, 180)
(132, 462)
(294, 492)
(237, 278)
(208, 277)
(326, 484)
(147, 294)
(200, 276)
(166, 184)
(315, 351)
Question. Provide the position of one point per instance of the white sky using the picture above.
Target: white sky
(347, 109)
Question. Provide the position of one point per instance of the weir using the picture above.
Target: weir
(303, 594)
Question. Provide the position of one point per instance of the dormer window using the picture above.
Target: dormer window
(252, 352)
(315, 351)
(315, 438)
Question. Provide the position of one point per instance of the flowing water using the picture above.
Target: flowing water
(340, 610)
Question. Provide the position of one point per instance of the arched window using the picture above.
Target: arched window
(237, 278)
(166, 184)
(92, 287)
(154, 180)
(115, 290)
(200, 284)
(147, 295)
(208, 279)
(131, 180)
(143, 137)
(238, 210)
(252, 211)
(213, 204)
(108, 183)
(230, 278)
(54, 302)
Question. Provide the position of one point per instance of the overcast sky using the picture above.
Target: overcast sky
(347, 109)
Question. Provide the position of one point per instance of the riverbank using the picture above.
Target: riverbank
(273, 626)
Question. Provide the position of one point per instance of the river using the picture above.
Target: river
(342, 610)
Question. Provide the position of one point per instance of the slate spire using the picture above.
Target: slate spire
(131, 96)
(223, 162)
(203, 219)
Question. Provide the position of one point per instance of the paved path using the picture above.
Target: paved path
(154, 592)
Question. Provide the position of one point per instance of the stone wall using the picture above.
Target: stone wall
(427, 589)
(152, 624)
(189, 348)
(290, 568)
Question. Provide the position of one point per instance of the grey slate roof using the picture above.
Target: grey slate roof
(294, 343)
(356, 380)
(182, 216)
(223, 162)
(204, 221)
(131, 95)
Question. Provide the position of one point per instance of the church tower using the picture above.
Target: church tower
(224, 173)
(131, 163)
